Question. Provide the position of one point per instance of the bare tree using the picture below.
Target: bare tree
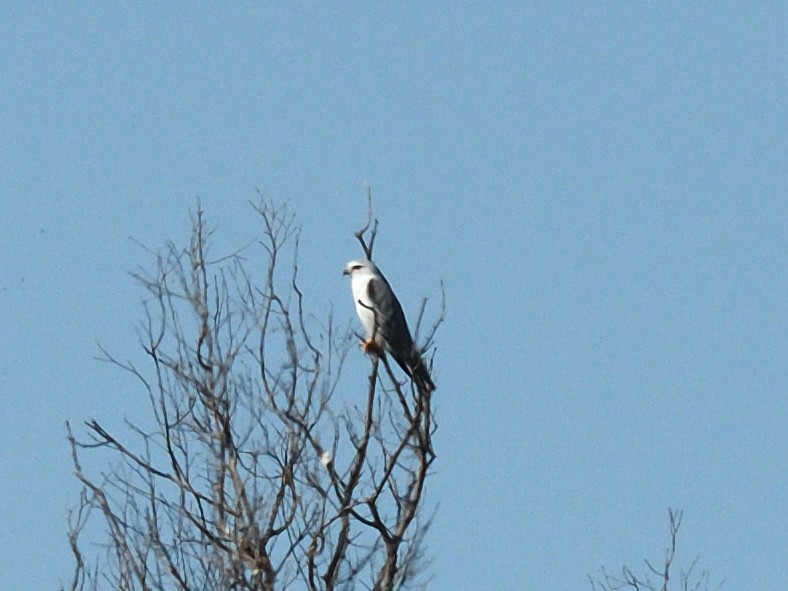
(661, 577)
(253, 472)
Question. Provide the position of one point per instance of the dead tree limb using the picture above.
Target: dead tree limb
(251, 472)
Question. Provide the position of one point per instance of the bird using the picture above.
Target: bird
(382, 317)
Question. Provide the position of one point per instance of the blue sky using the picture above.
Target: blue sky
(602, 188)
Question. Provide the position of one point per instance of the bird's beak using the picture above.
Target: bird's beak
(346, 272)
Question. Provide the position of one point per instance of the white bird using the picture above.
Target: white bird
(382, 317)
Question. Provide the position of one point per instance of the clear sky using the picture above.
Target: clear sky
(601, 186)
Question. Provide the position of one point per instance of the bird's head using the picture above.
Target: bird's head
(359, 267)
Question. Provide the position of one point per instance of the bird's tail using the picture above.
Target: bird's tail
(414, 366)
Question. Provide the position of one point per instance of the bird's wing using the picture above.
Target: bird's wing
(389, 316)
(393, 328)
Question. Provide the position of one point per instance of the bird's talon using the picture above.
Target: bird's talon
(370, 347)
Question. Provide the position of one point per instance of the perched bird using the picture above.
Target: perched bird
(382, 317)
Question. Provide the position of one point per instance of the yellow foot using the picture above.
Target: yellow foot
(370, 347)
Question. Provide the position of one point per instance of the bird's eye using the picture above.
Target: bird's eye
(356, 267)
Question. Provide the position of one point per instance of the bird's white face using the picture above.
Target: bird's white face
(358, 268)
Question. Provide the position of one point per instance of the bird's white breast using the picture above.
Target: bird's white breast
(366, 315)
